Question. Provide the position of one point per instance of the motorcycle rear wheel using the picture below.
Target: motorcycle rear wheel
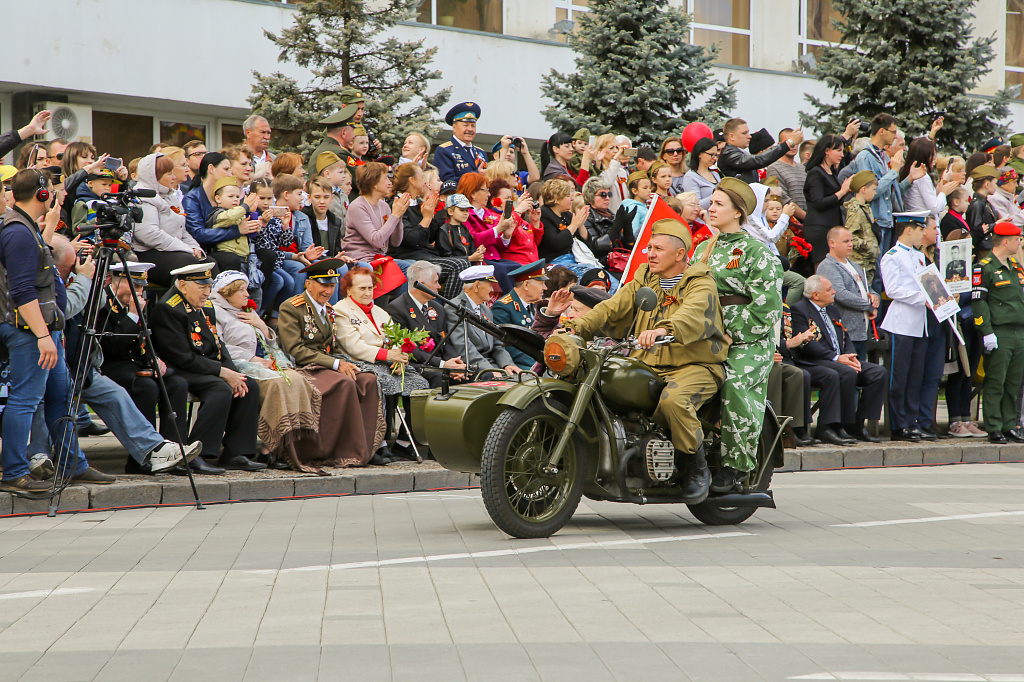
(519, 496)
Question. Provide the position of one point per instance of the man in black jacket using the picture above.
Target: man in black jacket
(416, 309)
(185, 334)
(829, 354)
(735, 161)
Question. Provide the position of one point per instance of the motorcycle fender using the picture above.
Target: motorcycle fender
(523, 394)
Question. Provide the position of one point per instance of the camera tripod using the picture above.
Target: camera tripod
(104, 254)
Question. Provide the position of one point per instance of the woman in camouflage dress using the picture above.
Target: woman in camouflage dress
(749, 279)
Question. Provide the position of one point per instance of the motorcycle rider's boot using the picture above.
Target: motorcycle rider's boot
(697, 479)
(726, 479)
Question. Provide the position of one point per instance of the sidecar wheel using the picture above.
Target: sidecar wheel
(521, 498)
(711, 515)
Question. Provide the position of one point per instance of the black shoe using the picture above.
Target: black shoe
(241, 463)
(404, 452)
(996, 437)
(801, 439)
(273, 462)
(379, 460)
(697, 479)
(908, 435)
(93, 429)
(940, 435)
(384, 452)
(726, 479)
(923, 434)
(827, 435)
(200, 466)
(133, 467)
(1014, 435)
(841, 432)
(861, 434)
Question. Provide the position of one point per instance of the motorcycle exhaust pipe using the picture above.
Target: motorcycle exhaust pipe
(753, 499)
(629, 454)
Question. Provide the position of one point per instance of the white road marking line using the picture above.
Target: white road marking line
(499, 552)
(911, 677)
(60, 591)
(419, 497)
(929, 519)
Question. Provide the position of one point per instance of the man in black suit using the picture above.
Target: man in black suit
(830, 355)
(416, 309)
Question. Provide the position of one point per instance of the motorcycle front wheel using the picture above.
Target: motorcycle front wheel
(522, 498)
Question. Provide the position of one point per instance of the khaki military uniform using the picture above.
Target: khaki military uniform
(691, 367)
(744, 267)
(329, 144)
(865, 245)
(998, 305)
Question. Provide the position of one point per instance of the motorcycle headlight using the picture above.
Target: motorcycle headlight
(562, 354)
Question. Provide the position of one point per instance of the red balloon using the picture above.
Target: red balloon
(694, 132)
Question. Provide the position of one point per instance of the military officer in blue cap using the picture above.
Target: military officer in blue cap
(458, 156)
(519, 305)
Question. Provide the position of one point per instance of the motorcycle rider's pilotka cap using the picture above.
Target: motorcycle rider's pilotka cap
(742, 189)
(477, 273)
(534, 270)
(673, 228)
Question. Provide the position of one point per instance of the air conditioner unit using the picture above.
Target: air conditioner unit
(69, 121)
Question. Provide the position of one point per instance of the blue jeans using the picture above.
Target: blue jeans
(118, 411)
(30, 386)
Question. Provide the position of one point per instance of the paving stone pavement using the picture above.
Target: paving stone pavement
(873, 574)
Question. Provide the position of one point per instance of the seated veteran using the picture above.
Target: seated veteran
(519, 305)
(688, 309)
(359, 324)
(351, 435)
(570, 303)
(416, 309)
(126, 358)
(184, 327)
(480, 349)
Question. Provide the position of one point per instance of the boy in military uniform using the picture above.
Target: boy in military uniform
(184, 325)
(458, 156)
(689, 309)
(999, 279)
(519, 305)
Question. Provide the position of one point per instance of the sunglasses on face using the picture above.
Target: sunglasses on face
(604, 195)
(59, 157)
(674, 150)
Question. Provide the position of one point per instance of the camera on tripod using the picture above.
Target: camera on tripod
(116, 214)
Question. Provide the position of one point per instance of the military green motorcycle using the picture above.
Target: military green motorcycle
(584, 426)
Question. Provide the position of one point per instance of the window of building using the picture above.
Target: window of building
(816, 30)
(725, 23)
(125, 136)
(1015, 44)
(177, 134)
(230, 134)
(475, 15)
(569, 10)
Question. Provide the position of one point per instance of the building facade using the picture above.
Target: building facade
(134, 72)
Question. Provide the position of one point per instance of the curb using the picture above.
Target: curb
(171, 490)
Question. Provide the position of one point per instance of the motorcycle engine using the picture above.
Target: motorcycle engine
(660, 456)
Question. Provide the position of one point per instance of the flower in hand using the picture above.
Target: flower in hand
(427, 345)
(408, 346)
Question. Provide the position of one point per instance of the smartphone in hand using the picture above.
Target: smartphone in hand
(112, 164)
(507, 212)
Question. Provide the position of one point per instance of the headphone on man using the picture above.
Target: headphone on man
(42, 194)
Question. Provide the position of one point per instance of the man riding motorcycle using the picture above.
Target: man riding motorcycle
(691, 367)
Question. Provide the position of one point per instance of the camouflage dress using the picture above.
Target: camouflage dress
(744, 266)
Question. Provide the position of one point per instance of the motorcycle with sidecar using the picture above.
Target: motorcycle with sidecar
(584, 426)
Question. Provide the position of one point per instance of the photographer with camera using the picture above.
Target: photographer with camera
(505, 150)
(32, 306)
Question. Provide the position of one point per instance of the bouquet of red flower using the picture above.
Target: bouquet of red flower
(407, 341)
(801, 245)
(250, 306)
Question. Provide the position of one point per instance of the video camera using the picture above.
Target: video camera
(116, 213)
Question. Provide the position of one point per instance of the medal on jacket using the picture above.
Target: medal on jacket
(735, 262)
(197, 338)
(412, 313)
(431, 314)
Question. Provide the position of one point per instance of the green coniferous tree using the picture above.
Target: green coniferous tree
(636, 74)
(338, 41)
(914, 59)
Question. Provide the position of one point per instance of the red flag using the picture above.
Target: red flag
(387, 275)
(659, 210)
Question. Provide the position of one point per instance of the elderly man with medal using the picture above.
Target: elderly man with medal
(305, 328)
(185, 334)
(458, 156)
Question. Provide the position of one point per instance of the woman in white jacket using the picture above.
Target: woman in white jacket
(161, 237)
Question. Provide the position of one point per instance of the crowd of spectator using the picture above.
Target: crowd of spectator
(264, 276)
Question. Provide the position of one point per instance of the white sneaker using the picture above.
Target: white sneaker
(41, 467)
(167, 455)
(959, 430)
